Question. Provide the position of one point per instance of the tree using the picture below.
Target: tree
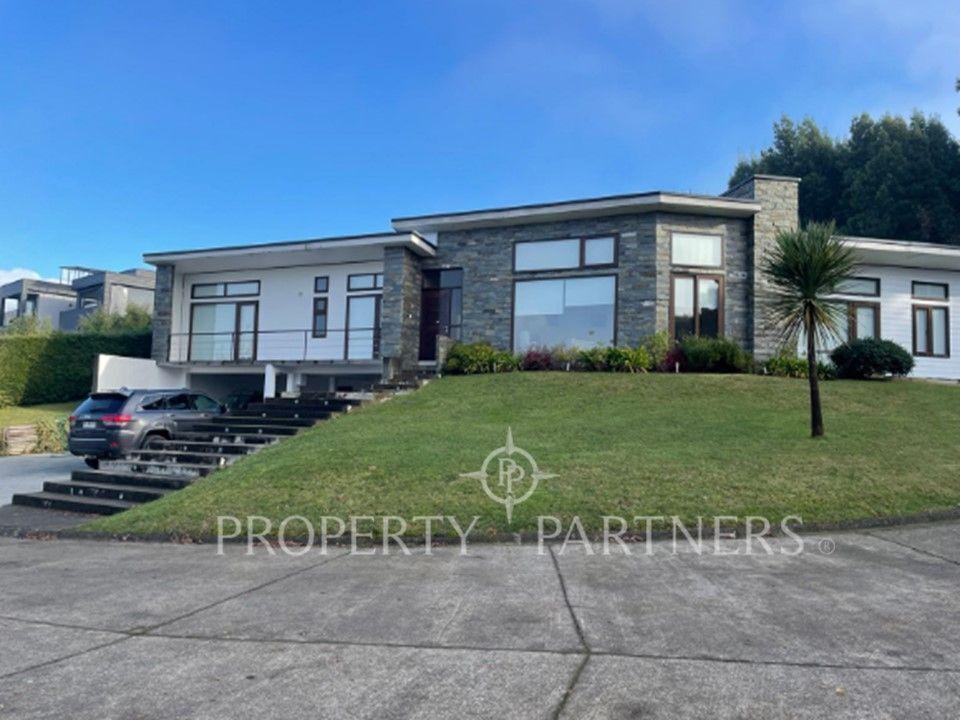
(889, 178)
(28, 325)
(135, 319)
(805, 267)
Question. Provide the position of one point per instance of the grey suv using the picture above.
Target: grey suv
(107, 425)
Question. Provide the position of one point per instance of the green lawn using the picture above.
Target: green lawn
(29, 414)
(626, 445)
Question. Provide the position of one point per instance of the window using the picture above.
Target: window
(153, 403)
(573, 253)
(860, 286)
(571, 312)
(178, 402)
(223, 331)
(321, 284)
(864, 320)
(367, 281)
(30, 306)
(696, 250)
(931, 331)
(320, 317)
(228, 289)
(930, 291)
(202, 403)
(696, 305)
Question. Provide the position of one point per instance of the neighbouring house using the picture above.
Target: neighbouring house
(79, 292)
(341, 311)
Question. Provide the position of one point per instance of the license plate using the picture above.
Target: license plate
(89, 425)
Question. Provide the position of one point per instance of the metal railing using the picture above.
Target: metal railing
(339, 345)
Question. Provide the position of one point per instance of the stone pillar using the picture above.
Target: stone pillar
(162, 316)
(400, 310)
(269, 381)
(780, 210)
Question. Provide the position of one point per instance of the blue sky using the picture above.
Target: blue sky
(128, 127)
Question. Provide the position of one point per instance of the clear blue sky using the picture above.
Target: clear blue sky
(128, 127)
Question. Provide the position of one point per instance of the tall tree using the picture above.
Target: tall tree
(805, 268)
(889, 178)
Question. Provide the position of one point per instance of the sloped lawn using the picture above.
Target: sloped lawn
(624, 445)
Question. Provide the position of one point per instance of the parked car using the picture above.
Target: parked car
(107, 425)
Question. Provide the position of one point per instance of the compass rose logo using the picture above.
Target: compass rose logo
(515, 472)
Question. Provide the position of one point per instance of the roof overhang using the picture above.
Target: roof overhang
(904, 253)
(573, 209)
(351, 248)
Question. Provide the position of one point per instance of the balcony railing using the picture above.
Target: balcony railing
(245, 347)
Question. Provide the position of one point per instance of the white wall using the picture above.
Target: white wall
(115, 371)
(285, 304)
(896, 314)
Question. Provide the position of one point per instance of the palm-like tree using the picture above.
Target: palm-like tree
(805, 267)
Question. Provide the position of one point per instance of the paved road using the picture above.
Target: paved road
(111, 630)
(26, 473)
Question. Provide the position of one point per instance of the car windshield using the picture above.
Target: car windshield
(101, 404)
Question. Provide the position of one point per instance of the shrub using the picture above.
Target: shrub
(592, 359)
(672, 360)
(870, 357)
(51, 435)
(478, 358)
(58, 367)
(627, 359)
(786, 365)
(564, 358)
(537, 360)
(135, 319)
(716, 355)
(658, 346)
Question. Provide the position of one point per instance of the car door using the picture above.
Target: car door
(179, 408)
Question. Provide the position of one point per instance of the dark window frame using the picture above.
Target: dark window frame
(326, 284)
(945, 286)
(929, 308)
(859, 294)
(377, 282)
(224, 293)
(616, 301)
(581, 260)
(235, 333)
(317, 301)
(708, 268)
(852, 318)
(721, 301)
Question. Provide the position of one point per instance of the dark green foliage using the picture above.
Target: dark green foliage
(715, 355)
(791, 366)
(134, 320)
(477, 359)
(58, 367)
(890, 178)
(870, 357)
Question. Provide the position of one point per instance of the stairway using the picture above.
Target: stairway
(195, 450)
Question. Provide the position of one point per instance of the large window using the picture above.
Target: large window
(931, 331)
(696, 305)
(696, 250)
(226, 289)
(569, 254)
(864, 320)
(570, 312)
(223, 331)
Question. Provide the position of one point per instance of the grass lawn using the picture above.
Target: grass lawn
(626, 445)
(29, 414)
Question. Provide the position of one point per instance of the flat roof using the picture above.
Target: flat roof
(584, 207)
(411, 239)
(904, 253)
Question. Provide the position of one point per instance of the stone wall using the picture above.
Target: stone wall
(780, 210)
(400, 310)
(162, 312)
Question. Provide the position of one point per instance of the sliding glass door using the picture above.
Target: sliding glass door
(223, 332)
(363, 327)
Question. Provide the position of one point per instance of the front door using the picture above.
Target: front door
(440, 309)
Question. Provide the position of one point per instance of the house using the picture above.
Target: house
(341, 311)
(79, 292)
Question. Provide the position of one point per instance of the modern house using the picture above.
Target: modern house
(79, 292)
(340, 311)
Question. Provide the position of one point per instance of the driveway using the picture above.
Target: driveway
(863, 629)
(27, 473)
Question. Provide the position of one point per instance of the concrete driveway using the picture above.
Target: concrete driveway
(110, 630)
(27, 473)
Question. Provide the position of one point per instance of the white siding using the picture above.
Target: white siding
(285, 307)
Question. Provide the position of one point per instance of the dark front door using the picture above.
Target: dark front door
(440, 309)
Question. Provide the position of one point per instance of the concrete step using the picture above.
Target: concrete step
(246, 437)
(290, 411)
(260, 421)
(181, 456)
(204, 447)
(164, 467)
(240, 430)
(56, 501)
(152, 480)
(104, 491)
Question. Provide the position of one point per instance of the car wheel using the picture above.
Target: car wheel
(92, 462)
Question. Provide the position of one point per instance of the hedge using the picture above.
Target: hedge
(58, 367)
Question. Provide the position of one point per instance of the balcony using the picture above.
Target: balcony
(353, 345)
